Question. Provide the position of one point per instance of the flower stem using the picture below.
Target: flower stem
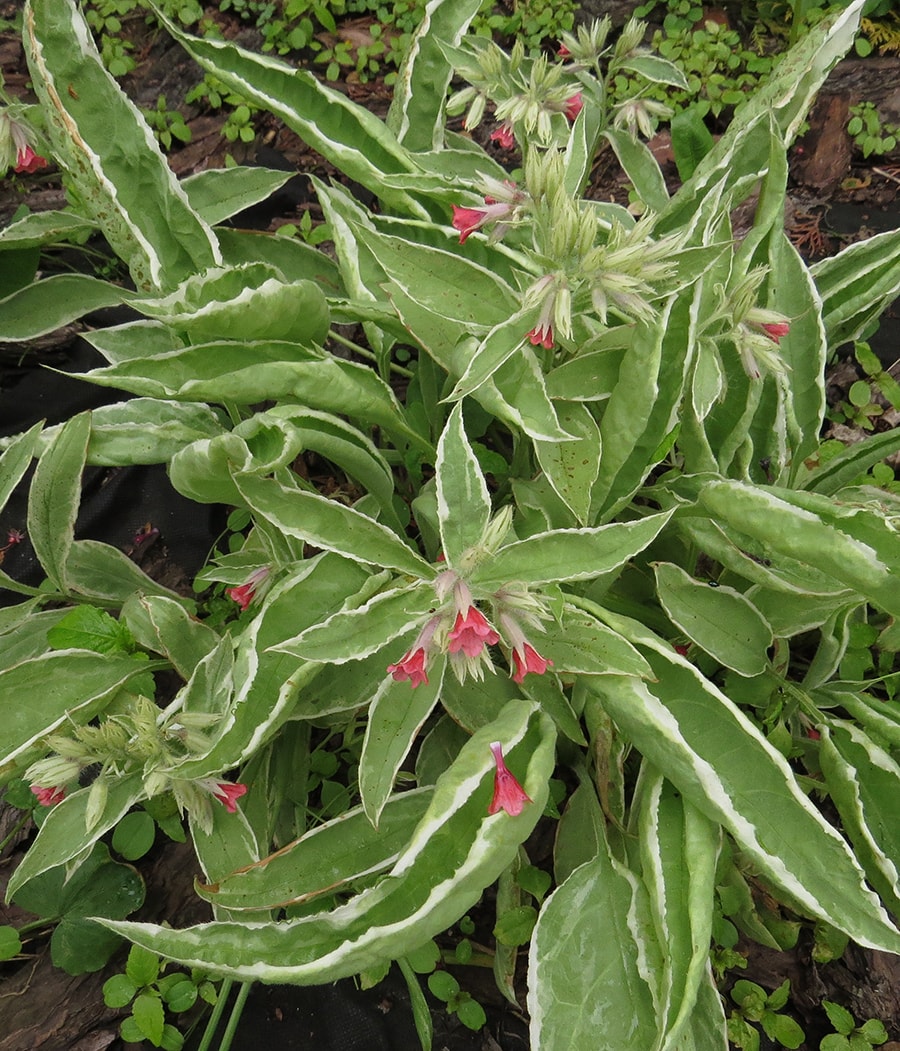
(235, 1017)
(213, 1024)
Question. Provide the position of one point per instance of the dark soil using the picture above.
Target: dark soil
(836, 197)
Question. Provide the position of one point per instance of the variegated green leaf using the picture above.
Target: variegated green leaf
(720, 620)
(330, 525)
(216, 194)
(352, 634)
(864, 783)
(66, 685)
(588, 962)
(346, 134)
(463, 502)
(64, 834)
(569, 554)
(678, 850)
(416, 115)
(396, 716)
(55, 496)
(713, 754)
(323, 860)
(46, 305)
(571, 467)
(110, 154)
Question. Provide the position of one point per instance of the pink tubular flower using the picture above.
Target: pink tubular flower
(504, 136)
(468, 220)
(27, 161)
(244, 594)
(49, 796)
(471, 633)
(563, 52)
(528, 661)
(509, 795)
(226, 792)
(574, 106)
(411, 667)
(776, 331)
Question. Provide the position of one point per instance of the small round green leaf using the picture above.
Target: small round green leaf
(10, 943)
(134, 835)
(515, 927)
(118, 991)
(149, 1014)
(471, 1014)
(443, 985)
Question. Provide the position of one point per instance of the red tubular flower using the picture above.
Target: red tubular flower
(411, 667)
(574, 106)
(244, 594)
(228, 794)
(542, 335)
(776, 330)
(27, 161)
(563, 52)
(467, 221)
(509, 795)
(504, 136)
(528, 661)
(471, 633)
(49, 796)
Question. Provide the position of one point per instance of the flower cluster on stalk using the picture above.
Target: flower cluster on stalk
(460, 629)
(755, 331)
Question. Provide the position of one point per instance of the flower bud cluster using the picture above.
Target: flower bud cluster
(17, 141)
(755, 331)
(137, 737)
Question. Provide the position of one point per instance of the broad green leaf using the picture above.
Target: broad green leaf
(416, 115)
(42, 228)
(330, 525)
(585, 981)
(857, 284)
(656, 69)
(336, 853)
(494, 351)
(571, 467)
(723, 765)
(720, 620)
(102, 572)
(16, 460)
(678, 850)
(110, 154)
(55, 496)
(164, 626)
(296, 259)
(569, 554)
(802, 534)
(346, 134)
(352, 634)
(588, 377)
(143, 431)
(64, 834)
(48, 304)
(863, 782)
(463, 502)
(25, 634)
(454, 853)
(216, 194)
(251, 301)
(89, 628)
(584, 646)
(67, 685)
(396, 716)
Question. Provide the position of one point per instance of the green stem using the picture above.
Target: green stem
(366, 353)
(236, 1013)
(213, 1024)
